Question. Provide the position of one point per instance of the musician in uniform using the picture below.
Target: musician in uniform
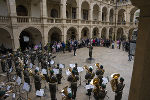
(33, 57)
(73, 80)
(52, 85)
(3, 64)
(59, 75)
(18, 71)
(119, 90)
(75, 69)
(89, 76)
(26, 75)
(100, 72)
(37, 80)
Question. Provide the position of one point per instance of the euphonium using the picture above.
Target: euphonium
(95, 82)
(114, 81)
(71, 73)
(65, 92)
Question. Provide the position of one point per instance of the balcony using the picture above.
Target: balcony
(4, 19)
(85, 21)
(71, 21)
(27, 19)
(54, 20)
(96, 22)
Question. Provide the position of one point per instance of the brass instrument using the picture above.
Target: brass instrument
(30, 71)
(42, 76)
(86, 67)
(95, 82)
(72, 74)
(98, 67)
(65, 92)
(114, 81)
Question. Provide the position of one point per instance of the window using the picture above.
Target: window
(73, 13)
(85, 14)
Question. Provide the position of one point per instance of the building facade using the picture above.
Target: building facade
(43, 21)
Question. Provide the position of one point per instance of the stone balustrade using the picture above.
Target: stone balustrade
(4, 19)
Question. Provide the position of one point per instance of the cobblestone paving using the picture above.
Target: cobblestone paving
(113, 60)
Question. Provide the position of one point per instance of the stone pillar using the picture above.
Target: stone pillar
(79, 33)
(63, 10)
(79, 11)
(15, 39)
(90, 32)
(12, 10)
(90, 13)
(44, 10)
(140, 83)
(108, 14)
(64, 35)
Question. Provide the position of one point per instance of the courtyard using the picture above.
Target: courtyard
(113, 60)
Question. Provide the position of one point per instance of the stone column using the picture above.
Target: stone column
(90, 13)
(44, 10)
(108, 14)
(79, 11)
(140, 83)
(12, 10)
(63, 10)
(64, 35)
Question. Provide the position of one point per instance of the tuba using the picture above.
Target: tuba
(95, 82)
(65, 92)
(114, 81)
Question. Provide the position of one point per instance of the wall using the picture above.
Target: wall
(3, 8)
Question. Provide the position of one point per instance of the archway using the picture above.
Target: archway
(30, 37)
(134, 15)
(95, 12)
(121, 16)
(72, 34)
(120, 34)
(54, 35)
(85, 10)
(103, 33)
(71, 9)
(111, 16)
(85, 33)
(95, 33)
(104, 14)
(21, 10)
(111, 33)
(5, 41)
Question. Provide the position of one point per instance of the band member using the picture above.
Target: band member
(75, 69)
(73, 80)
(37, 80)
(3, 64)
(89, 76)
(100, 92)
(59, 76)
(26, 75)
(33, 57)
(100, 72)
(18, 71)
(119, 90)
(3, 95)
(52, 85)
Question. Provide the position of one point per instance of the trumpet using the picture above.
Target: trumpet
(114, 81)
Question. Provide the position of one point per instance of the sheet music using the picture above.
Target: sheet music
(44, 71)
(18, 80)
(40, 93)
(68, 72)
(72, 65)
(105, 80)
(80, 69)
(52, 62)
(89, 86)
(56, 71)
(61, 66)
(37, 68)
(31, 65)
(26, 87)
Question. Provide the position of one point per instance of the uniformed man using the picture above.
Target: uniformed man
(26, 75)
(59, 75)
(37, 80)
(33, 57)
(89, 76)
(119, 90)
(3, 64)
(3, 95)
(100, 72)
(75, 69)
(52, 85)
(18, 71)
(90, 51)
(73, 80)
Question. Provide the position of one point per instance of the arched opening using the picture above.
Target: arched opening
(21, 10)
(111, 16)
(121, 17)
(95, 33)
(134, 15)
(71, 6)
(30, 37)
(53, 8)
(110, 33)
(120, 34)
(103, 33)
(5, 41)
(85, 33)
(54, 35)
(95, 12)
(72, 34)
(85, 10)
(104, 14)
(54, 13)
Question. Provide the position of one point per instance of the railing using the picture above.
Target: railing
(35, 20)
(95, 22)
(85, 21)
(4, 19)
(121, 23)
(54, 20)
(22, 19)
(104, 22)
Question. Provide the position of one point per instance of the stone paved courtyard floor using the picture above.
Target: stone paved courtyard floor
(113, 60)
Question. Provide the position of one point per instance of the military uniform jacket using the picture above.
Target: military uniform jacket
(120, 87)
(73, 80)
(76, 71)
(52, 83)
